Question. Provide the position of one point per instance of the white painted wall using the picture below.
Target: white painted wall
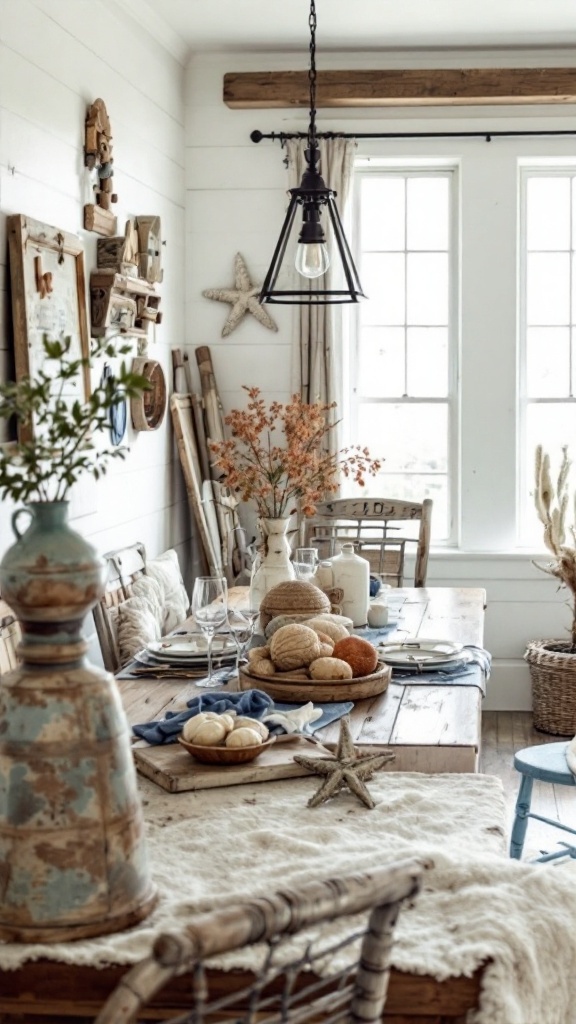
(235, 202)
(56, 57)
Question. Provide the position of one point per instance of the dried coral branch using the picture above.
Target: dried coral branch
(552, 508)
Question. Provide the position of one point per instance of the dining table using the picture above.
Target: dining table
(430, 720)
(433, 727)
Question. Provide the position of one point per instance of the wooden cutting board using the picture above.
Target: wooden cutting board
(173, 768)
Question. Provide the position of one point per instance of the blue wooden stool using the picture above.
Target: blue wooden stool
(546, 763)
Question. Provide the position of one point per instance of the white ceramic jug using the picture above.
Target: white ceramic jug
(352, 574)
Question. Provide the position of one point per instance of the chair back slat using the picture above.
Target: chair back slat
(303, 977)
(383, 530)
(124, 567)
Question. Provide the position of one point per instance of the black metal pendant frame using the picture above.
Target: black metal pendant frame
(313, 294)
(312, 195)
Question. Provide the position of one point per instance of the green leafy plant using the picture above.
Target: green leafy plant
(60, 430)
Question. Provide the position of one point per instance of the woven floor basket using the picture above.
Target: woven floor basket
(553, 672)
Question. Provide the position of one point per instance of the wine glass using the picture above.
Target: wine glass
(305, 562)
(242, 622)
(209, 608)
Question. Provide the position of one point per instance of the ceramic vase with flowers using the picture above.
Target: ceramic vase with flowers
(278, 458)
(552, 661)
(71, 826)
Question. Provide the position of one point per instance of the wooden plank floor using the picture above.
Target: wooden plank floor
(503, 733)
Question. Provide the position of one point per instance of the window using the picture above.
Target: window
(548, 325)
(403, 372)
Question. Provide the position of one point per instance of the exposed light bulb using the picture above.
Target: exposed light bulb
(312, 259)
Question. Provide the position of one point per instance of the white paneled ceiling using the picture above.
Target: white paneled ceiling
(250, 25)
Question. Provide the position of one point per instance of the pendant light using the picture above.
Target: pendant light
(301, 279)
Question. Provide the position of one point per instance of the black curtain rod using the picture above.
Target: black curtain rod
(281, 137)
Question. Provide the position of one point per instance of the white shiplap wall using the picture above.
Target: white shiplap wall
(56, 57)
(236, 201)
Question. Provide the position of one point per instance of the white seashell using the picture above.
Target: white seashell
(209, 734)
(243, 737)
(251, 723)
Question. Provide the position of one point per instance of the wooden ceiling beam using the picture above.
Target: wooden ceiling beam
(448, 87)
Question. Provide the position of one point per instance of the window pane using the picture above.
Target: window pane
(548, 289)
(427, 288)
(382, 372)
(548, 213)
(427, 215)
(383, 280)
(411, 437)
(415, 487)
(428, 362)
(548, 362)
(382, 213)
(551, 425)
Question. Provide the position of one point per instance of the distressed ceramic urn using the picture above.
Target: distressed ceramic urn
(72, 851)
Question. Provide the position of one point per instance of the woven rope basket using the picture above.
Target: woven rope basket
(553, 672)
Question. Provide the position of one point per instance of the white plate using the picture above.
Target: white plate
(194, 648)
(414, 667)
(421, 652)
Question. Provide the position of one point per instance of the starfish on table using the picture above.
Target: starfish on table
(347, 768)
(243, 298)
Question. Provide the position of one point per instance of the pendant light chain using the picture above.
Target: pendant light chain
(315, 201)
(312, 143)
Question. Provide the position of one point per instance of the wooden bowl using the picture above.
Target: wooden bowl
(225, 755)
(297, 687)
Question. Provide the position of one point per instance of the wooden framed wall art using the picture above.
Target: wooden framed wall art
(48, 297)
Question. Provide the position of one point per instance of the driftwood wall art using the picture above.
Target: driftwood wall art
(122, 293)
(48, 298)
(98, 216)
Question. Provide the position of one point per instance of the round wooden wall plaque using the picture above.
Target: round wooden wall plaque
(149, 408)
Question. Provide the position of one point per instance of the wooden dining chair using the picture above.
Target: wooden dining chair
(316, 977)
(383, 530)
(125, 566)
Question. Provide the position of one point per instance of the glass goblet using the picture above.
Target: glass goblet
(305, 562)
(241, 622)
(209, 608)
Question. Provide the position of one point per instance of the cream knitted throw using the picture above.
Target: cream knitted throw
(478, 907)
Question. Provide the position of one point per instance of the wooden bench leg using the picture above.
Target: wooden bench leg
(521, 819)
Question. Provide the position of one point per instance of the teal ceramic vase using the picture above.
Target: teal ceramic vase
(72, 851)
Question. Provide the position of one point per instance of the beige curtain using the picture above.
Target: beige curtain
(317, 355)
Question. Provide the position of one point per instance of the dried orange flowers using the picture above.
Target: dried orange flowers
(276, 456)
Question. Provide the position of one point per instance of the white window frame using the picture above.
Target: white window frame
(365, 167)
(525, 477)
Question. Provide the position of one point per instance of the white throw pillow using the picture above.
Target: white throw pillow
(139, 619)
(165, 569)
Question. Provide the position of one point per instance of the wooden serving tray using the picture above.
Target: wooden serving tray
(298, 688)
(171, 767)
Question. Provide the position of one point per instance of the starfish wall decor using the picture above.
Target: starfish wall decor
(348, 768)
(243, 298)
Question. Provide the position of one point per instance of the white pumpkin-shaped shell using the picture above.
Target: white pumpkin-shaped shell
(243, 737)
(194, 723)
(209, 734)
(294, 646)
(251, 723)
(228, 720)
